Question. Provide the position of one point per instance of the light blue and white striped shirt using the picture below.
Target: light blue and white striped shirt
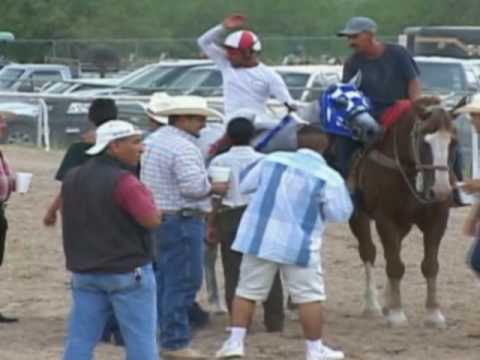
(295, 194)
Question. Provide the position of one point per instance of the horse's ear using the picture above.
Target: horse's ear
(356, 80)
(423, 106)
(461, 103)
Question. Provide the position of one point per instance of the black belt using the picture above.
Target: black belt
(187, 213)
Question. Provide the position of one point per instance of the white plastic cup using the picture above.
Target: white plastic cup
(219, 173)
(23, 182)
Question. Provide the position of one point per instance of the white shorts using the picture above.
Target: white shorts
(304, 284)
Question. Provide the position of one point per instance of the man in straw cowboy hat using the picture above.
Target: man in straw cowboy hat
(208, 135)
(174, 169)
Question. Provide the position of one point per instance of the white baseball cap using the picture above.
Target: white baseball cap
(243, 39)
(110, 131)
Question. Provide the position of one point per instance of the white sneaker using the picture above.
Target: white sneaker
(325, 353)
(230, 350)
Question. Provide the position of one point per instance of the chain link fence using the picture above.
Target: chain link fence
(133, 52)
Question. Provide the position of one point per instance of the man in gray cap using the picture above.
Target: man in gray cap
(388, 74)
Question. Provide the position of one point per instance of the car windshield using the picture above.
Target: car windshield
(192, 80)
(442, 76)
(58, 88)
(8, 77)
(158, 77)
(296, 83)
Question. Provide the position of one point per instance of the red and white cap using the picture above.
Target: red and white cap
(243, 39)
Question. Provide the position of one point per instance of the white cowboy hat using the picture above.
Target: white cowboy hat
(472, 107)
(183, 105)
(157, 102)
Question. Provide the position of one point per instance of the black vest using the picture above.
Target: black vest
(98, 236)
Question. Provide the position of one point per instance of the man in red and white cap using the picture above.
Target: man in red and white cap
(247, 82)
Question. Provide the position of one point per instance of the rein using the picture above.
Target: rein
(395, 164)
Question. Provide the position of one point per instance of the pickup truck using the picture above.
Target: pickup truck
(31, 77)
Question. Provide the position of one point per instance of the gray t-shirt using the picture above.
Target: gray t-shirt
(385, 79)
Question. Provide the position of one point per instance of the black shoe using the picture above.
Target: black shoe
(7, 320)
(198, 317)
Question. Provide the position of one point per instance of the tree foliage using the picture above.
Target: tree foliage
(187, 18)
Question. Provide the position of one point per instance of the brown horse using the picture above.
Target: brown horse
(405, 181)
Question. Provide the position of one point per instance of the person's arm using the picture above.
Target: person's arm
(279, 89)
(50, 217)
(191, 175)
(208, 43)
(414, 89)
(336, 203)
(410, 72)
(135, 199)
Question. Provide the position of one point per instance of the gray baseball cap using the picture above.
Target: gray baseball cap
(357, 25)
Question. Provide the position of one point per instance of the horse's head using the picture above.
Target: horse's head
(343, 106)
(433, 139)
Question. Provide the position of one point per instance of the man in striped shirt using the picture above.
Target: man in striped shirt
(295, 194)
(174, 169)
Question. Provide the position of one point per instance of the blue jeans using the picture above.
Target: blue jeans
(131, 297)
(178, 269)
(474, 256)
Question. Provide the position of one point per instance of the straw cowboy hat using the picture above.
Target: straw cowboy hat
(161, 106)
(157, 103)
(472, 107)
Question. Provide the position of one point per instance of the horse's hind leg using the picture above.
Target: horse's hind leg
(430, 267)
(360, 225)
(391, 236)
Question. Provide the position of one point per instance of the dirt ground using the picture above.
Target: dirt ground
(34, 286)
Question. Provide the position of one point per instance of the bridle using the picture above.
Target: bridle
(420, 168)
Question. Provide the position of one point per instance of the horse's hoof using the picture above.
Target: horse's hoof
(435, 319)
(372, 311)
(396, 318)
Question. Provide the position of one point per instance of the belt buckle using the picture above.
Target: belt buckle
(186, 213)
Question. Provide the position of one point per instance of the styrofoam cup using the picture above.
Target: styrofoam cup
(23, 182)
(219, 173)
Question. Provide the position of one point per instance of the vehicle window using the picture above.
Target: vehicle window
(149, 78)
(472, 80)
(190, 81)
(295, 82)
(41, 77)
(212, 86)
(8, 77)
(442, 76)
(58, 88)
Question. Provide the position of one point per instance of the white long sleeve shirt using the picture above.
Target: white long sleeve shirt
(243, 88)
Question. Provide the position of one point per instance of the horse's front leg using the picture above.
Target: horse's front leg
(391, 236)
(432, 236)
(360, 226)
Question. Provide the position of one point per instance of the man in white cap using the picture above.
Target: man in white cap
(174, 169)
(108, 247)
(247, 82)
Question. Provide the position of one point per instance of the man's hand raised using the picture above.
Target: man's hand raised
(234, 21)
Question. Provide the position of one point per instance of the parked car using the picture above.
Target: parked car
(201, 81)
(447, 76)
(31, 77)
(306, 82)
